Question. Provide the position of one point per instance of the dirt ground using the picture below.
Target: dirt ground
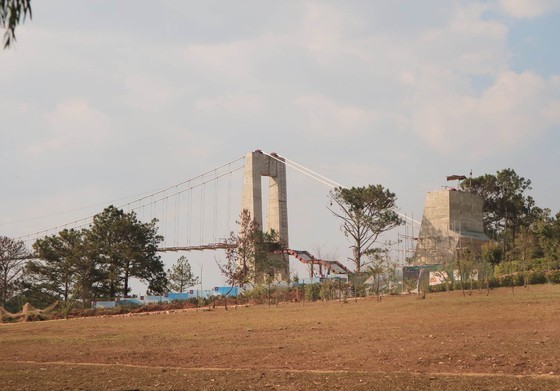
(503, 341)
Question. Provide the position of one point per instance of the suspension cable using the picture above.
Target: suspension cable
(323, 179)
(314, 173)
(189, 217)
(215, 222)
(202, 192)
(229, 204)
(149, 196)
(176, 220)
(326, 182)
(304, 170)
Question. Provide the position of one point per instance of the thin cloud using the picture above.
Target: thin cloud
(528, 8)
(515, 109)
(74, 124)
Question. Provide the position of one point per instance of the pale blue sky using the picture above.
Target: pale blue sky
(104, 99)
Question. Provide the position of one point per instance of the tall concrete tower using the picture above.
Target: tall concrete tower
(258, 165)
(452, 222)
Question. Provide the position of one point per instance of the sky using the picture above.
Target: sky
(101, 101)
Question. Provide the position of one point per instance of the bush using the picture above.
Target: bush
(360, 290)
(456, 285)
(553, 276)
(326, 292)
(312, 292)
(476, 284)
(518, 279)
(493, 282)
(505, 280)
(259, 294)
(506, 268)
(440, 287)
(538, 264)
(536, 277)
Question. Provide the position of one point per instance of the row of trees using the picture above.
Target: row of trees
(98, 261)
(524, 237)
(519, 228)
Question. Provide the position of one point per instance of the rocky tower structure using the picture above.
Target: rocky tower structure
(452, 222)
(257, 165)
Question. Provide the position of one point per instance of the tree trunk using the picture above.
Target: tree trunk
(461, 277)
(4, 288)
(126, 276)
(112, 281)
(358, 256)
(66, 288)
(504, 241)
(226, 296)
(86, 298)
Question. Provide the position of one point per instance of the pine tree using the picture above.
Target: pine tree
(181, 276)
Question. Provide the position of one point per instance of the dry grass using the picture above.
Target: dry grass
(446, 341)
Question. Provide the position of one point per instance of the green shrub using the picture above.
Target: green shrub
(553, 276)
(440, 287)
(536, 277)
(312, 292)
(509, 267)
(479, 284)
(505, 280)
(326, 291)
(518, 279)
(258, 294)
(360, 290)
(544, 264)
(538, 264)
(457, 285)
(493, 282)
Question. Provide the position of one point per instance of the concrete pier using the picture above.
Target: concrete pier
(452, 222)
(258, 165)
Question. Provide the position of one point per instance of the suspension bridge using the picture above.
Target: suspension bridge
(199, 213)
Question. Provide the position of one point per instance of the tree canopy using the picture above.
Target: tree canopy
(181, 276)
(366, 212)
(248, 253)
(64, 267)
(125, 248)
(13, 13)
(98, 261)
(12, 258)
(507, 206)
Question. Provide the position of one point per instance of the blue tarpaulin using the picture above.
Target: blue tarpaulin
(172, 296)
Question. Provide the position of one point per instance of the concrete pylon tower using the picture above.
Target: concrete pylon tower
(257, 165)
(452, 222)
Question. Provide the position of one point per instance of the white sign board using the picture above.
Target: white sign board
(437, 278)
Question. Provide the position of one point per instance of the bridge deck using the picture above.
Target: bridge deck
(199, 247)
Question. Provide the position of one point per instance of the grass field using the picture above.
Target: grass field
(503, 341)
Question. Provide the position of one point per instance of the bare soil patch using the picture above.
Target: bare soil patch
(447, 341)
